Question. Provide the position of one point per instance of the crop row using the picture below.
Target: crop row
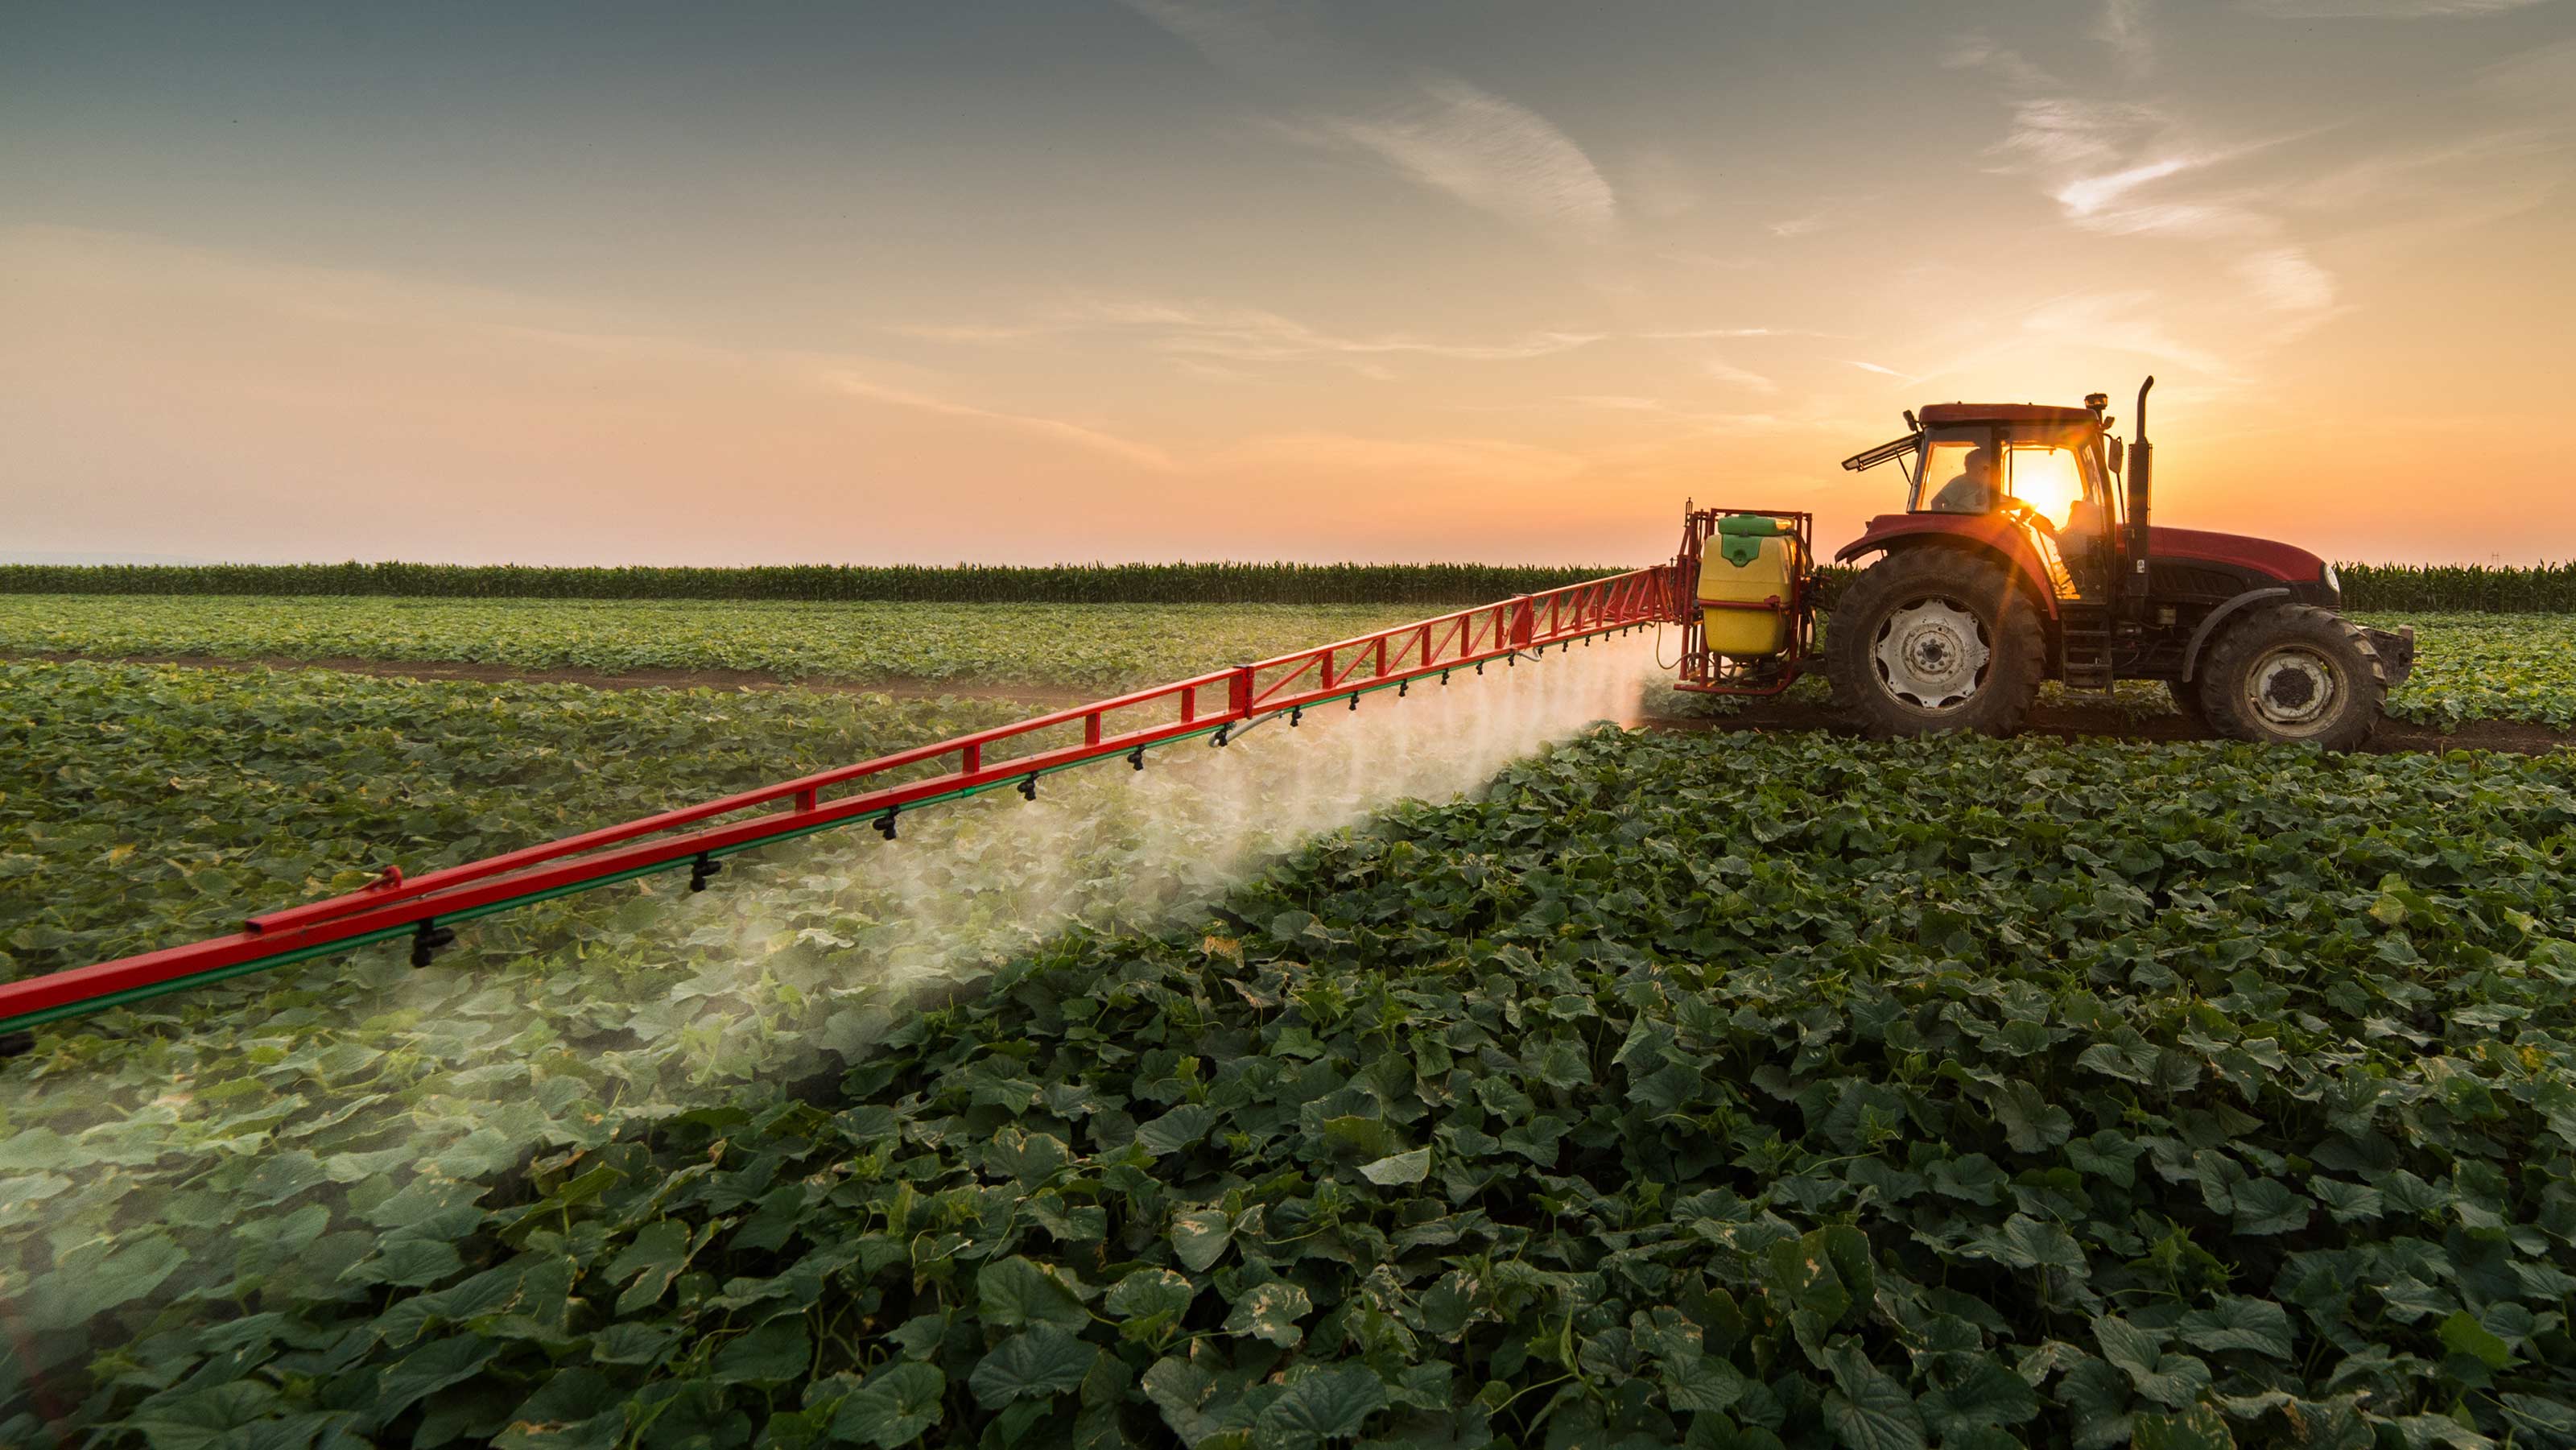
(1741, 1091)
(2544, 588)
(1084, 647)
(2470, 666)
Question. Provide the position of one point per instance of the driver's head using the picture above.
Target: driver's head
(1979, 466)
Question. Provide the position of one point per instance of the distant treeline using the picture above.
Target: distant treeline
(945, 584)
(2546, 588)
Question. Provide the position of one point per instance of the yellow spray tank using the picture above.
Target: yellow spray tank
(1749, 585)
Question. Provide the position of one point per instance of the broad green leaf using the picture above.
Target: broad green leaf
(2234, 1322)
(894, 1407)
(1016, 1292)
(1399, 1168)
(2463, 1334)
(773, 1353)
(1150, 1291)
(427, 1370)
(1200, 1236)
(1178, 1129)
(1271, 1311)
(1033, 1364)
(1867, 1409)
(1329, 1404)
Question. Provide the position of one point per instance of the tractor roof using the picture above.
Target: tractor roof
(1937, 414)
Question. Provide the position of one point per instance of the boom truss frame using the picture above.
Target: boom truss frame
(1217, 704)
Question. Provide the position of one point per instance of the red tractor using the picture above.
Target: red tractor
(2018, 560)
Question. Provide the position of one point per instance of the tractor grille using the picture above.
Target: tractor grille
(2192, 581)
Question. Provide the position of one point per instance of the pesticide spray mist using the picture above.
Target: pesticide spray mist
(635, 1003)
(969, 886)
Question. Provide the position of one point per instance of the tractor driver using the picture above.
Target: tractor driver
(1973, 491)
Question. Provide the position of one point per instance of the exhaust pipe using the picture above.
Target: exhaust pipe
(2141, 481)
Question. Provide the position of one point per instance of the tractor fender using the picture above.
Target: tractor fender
(1989, 533)
(2217, 617)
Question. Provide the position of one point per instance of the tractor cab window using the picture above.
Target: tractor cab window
(1959, 474)
(2056, 479)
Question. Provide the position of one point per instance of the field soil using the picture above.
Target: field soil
(2074, 722)
(2066, 722)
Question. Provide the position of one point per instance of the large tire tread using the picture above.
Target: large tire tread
(1861, 703)
(2220, 677)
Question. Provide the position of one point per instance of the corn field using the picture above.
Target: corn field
(2541, 589)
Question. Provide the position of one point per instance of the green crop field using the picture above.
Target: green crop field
(1713, 1090)
(1071, 646)
(2471, 666)
(2488, 667)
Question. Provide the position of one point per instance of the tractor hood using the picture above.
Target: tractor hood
(2289, 564)
(2284, 562)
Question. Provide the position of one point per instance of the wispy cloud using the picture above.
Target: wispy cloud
(2544, 77)
(2125, 321)
(1698, 420)
(1245, 334)
(1698, 334)
(1484, 151)
(1887, 372)
(2122, 25)
(1484, 460)
(1726, 372)
(1143, 455)
(2383, 9)
(1436, 130)
(1798, 226)
(1976, 52)
(2286, 280)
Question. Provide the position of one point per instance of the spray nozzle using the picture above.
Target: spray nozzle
(1444, 677)
(1403, 688)
(428, 939)
(1219, 740)
(1355, 699)
(702, 868)
(1136, 757)
(1295, 714)
(1029, 787)
(885, 823)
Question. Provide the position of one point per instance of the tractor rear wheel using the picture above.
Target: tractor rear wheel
(2291, 675)
(1933, 639)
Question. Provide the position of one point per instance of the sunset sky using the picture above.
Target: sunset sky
(1183, 279)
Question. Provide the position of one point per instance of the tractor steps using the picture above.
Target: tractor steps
(2084, 646)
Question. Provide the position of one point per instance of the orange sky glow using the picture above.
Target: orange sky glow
(1173, 279)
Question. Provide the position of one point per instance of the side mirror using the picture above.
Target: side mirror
(2119, 455)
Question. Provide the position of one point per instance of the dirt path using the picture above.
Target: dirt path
(2068, 722)
(2075, 722)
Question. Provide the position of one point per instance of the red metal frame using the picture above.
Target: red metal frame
(880, 789)
(1706, 672)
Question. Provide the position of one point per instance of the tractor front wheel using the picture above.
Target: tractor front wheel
(2294, 675)
(1930, 640)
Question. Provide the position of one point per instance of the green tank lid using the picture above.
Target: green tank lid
(1740, 536)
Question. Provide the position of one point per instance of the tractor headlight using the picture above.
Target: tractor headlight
(2334, 583)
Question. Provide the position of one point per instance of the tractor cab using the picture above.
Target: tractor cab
(2033, 478)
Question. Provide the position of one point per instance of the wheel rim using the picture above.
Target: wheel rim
(1932, 654)
(2294, 690)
